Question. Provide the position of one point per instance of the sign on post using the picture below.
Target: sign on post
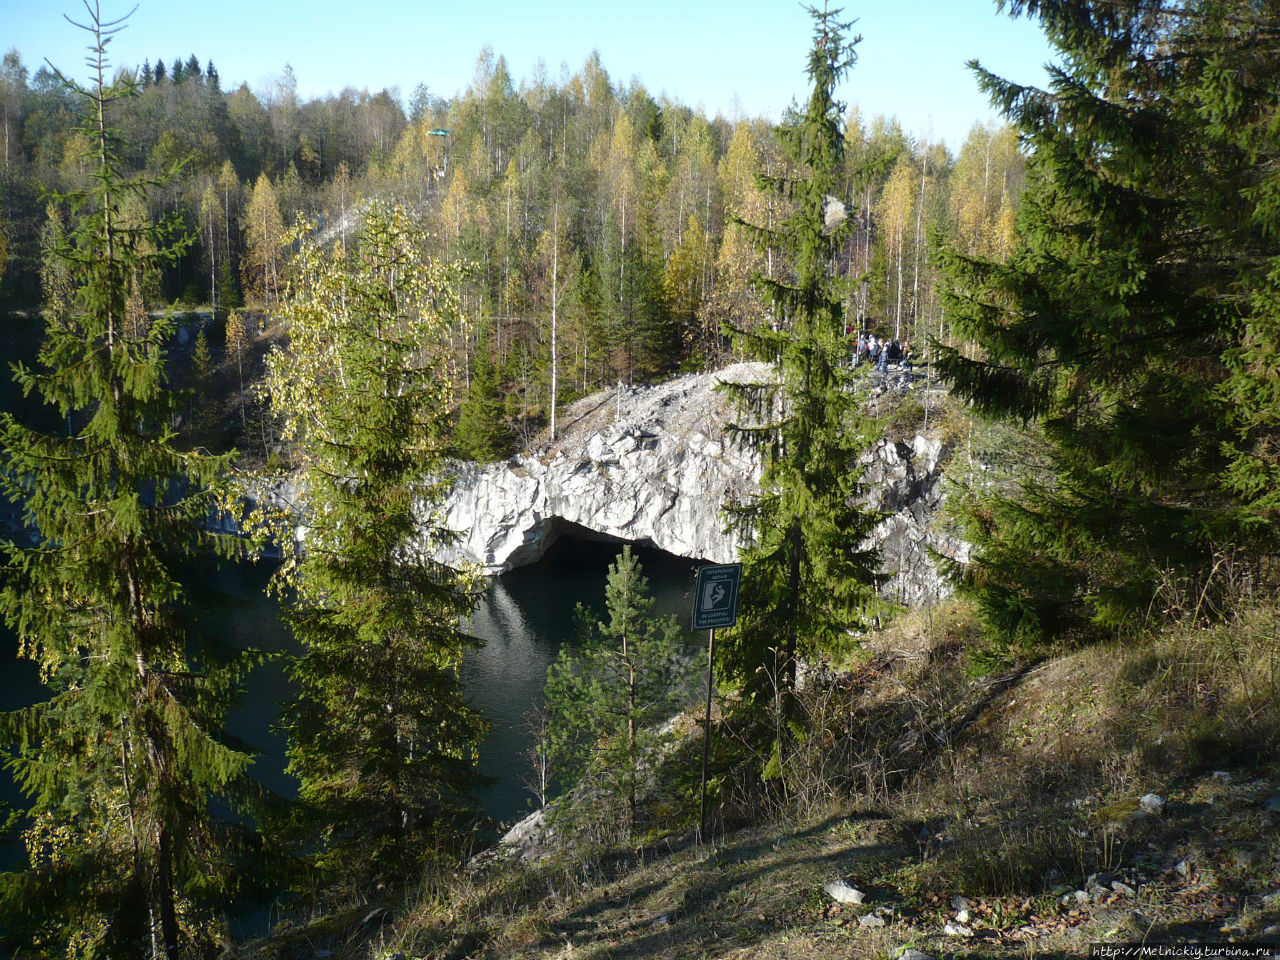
(715, 604)
(715, 600)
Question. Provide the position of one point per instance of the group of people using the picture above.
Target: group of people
(868, 348)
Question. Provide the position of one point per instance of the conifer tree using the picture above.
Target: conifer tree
(237, 348)
(201, 358)
(123, 762)
(380, 737)
(1109, 325)
(807, 577)
(607, 694)
(263, 233)
(1239, 90)
(200, 397)
(483, 433)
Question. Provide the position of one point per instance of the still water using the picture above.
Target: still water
(523, 619)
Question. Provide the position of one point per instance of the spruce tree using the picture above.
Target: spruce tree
(483, 433)
(807, 577)
(380, 736)
(607, 694)
(1110, 324)
(1239, 90)
(124, 761)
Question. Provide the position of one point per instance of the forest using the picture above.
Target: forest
(573, 195)
(375, 293)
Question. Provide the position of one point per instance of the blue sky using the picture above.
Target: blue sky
(729, 57)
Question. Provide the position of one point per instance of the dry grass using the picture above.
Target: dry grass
(1012, 790)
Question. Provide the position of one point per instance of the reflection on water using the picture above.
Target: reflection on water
(523, 619)
(237, 612)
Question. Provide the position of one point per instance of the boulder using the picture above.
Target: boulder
(1151, 803)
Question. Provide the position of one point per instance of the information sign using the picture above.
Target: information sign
(715, 601)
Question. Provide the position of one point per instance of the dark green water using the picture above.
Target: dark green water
(524, 618)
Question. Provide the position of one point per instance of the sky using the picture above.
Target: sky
(733, 57)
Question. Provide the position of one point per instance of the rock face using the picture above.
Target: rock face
(904, 480)
(654, 464)
(641, 464)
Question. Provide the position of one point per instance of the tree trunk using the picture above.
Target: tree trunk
(169, 929)
(555, 304)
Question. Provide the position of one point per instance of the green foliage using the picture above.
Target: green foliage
(488, 169)
(125, 762)
(607, 695)
(483, 433)
(807, 579)
(1114, 322)
(380, 736)
(201, 358)
(1237, 96)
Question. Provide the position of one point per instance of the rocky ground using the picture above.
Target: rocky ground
(850, 885)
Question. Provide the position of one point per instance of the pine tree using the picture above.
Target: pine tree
(1109, 326)
(607, 694)
(123, 764)
(380, 737)
(807, 577)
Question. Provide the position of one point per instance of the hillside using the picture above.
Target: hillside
(1123, 793)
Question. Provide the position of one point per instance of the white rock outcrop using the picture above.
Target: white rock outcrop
(904, 480)
(640, 463)
(654, 464)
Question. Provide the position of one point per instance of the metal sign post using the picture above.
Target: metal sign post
(715, 604)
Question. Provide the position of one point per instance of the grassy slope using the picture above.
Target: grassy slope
(1012, 790)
